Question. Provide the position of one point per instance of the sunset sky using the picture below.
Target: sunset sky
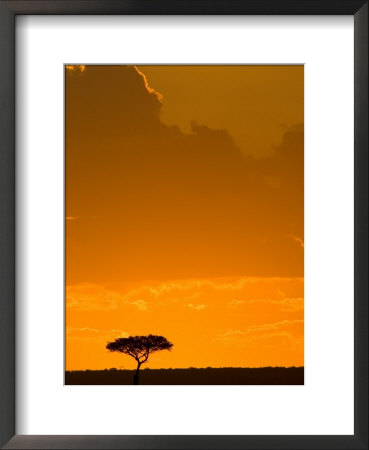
(185, 214)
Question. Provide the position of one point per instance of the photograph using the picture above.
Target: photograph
(184, 224)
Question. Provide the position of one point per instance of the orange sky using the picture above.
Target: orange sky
(185, 214)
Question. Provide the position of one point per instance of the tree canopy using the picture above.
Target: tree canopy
(140, 347)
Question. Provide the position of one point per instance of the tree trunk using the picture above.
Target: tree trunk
(135, 378)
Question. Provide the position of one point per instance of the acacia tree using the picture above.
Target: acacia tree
(140, 348)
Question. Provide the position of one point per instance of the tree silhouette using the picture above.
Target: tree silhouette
(140, 348)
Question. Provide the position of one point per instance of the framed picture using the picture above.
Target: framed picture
(184, 207)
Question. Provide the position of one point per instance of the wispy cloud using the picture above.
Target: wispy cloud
(71, 330)
(80, 68)
(196, 307)
(287, 329)
(234, 304)
(230, 293)
(285, 304)
(91, 297)
(140, 304)
(155, 289)
(296, 239)
(88, 334)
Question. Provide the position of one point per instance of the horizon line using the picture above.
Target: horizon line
(186, 368)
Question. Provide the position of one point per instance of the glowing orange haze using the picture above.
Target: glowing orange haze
(193, 231)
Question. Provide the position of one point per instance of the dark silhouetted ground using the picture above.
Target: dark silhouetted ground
(226, 375)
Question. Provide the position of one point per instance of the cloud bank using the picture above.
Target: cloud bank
(205, 209)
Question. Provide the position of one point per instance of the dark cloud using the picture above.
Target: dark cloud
(109, 100)
(143, 189)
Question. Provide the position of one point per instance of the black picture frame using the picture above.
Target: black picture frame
(8, 12)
